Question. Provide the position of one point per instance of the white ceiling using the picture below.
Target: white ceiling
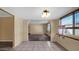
(34, 13)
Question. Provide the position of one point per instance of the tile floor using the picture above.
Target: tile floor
(35, 46)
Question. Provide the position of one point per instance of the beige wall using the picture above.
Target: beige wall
(25, 29)
(37, 29)
(6, 28)
(54, 26)
(45, 28)
(69, 44)
(11, 29)
(18, 30)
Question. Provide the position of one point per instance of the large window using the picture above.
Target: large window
(76, 23)
(69, 25)
(67, 20)
(66, 24)
(77, 18)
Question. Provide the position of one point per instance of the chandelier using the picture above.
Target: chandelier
(45, 13)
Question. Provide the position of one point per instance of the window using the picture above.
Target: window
(77, 19)
(67, 20)
(69, 24)
(77, 23)
(76, 31)
(68, 32)
(60, 31)
(49, 27)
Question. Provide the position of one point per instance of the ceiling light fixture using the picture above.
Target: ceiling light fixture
(45, 13)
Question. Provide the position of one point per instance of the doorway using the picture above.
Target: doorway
(39, 32)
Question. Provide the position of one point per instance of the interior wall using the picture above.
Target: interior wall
(18, 30)
(54, 27)
(37, 28)
(18, 27)
(25, 29)
(6, 29)
(45, 28)
(68, 43)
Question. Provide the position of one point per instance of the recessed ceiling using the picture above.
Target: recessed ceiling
(39, 21)
(34, 13)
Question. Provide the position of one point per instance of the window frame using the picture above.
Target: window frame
(73, 21)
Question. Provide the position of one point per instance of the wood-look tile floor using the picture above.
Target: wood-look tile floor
(35, 46)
